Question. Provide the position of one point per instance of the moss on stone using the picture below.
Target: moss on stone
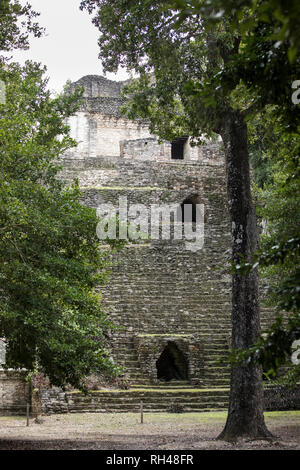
(155, 390)
(183, 335)
(125, 188)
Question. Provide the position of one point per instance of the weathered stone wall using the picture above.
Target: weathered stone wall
(155, 399)
(53, 400)
(96, 86)
(99, 125)
(150, 149)
(99, 135)
(150, 347)
(145, 149)
(14, 393)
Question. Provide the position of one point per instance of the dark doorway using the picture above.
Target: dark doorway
(188, 211)
(172, 364)
(177, 148)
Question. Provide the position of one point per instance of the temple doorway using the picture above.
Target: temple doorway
(172, 364)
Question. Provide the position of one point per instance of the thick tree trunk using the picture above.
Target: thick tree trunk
(245, 414)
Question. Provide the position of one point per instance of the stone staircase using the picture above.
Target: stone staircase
(172, 398)
(159, 288)
(215, 335)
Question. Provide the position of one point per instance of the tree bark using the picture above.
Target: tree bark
(245, 413)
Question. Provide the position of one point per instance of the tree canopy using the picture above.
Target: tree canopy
(49, 250)
(17, 23)
(50, 260)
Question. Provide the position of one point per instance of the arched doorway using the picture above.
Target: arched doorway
(190, 210)
(172, 364)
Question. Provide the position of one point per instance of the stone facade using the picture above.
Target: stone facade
(99, 127)
(172, 301)
(158, 289)
(14, 393)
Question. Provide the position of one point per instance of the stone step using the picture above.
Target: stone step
(163, 386)
(213, 313)
(122, 343)
(153, 314)
(152, 330)
(154, 399)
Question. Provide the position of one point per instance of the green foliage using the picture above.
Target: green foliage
(49, 251)
(17, 22)
(274, 349)
(246, 14)
(190, 60)
(278, 178)
(261, 130)
(268, 57)
(178, 64)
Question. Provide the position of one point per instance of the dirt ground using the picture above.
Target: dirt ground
(161, 431)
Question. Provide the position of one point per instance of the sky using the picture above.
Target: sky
(69, 49)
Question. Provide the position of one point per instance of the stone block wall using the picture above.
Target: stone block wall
(14, 393)
(96, 86)
(145, 149)
(99, 135)
(150, 347)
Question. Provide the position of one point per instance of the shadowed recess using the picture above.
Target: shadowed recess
(172, 364)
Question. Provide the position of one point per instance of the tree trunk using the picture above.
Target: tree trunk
(245, 414)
